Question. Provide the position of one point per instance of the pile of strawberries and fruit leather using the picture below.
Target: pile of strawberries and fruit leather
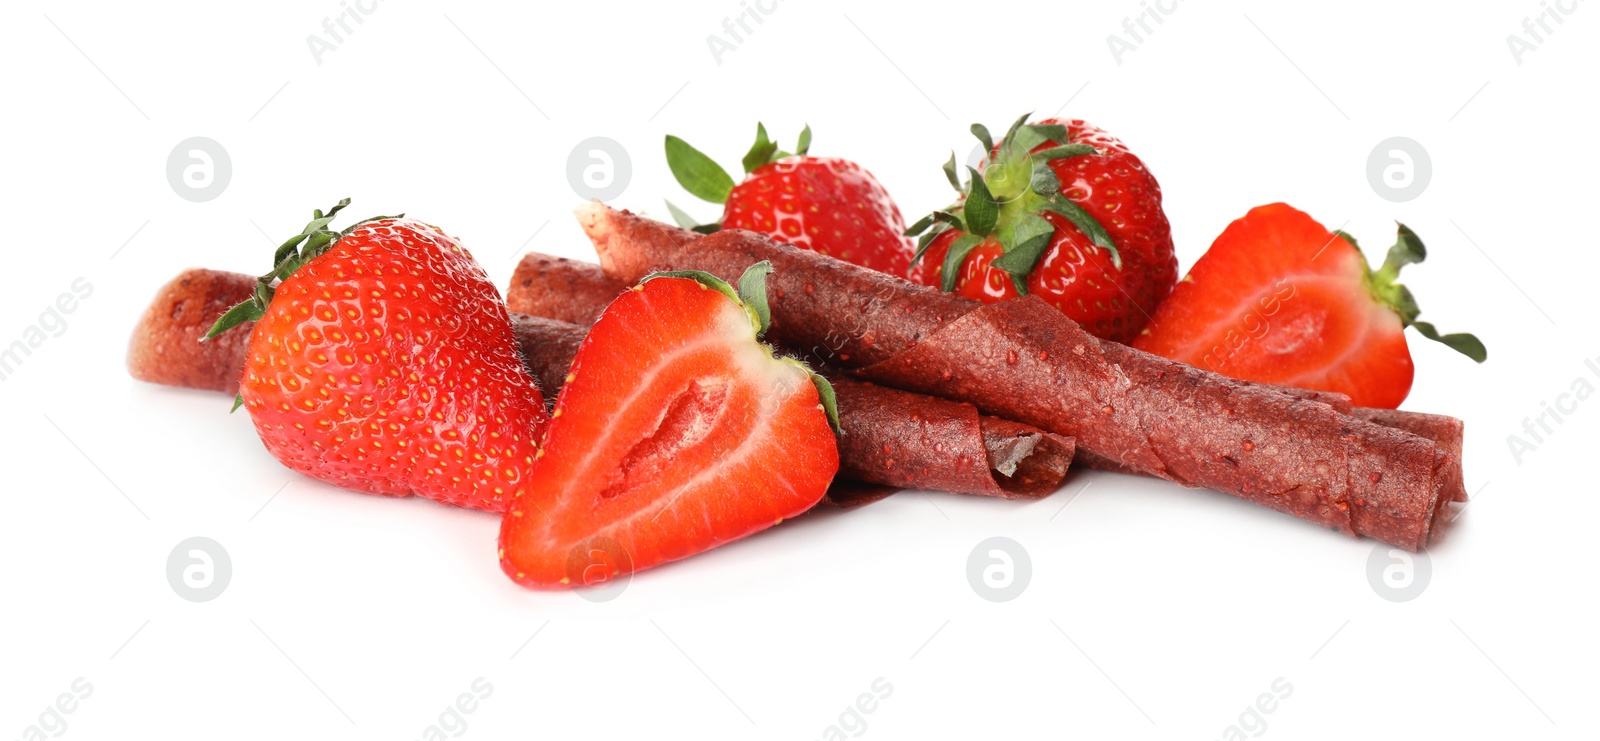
(708, 380)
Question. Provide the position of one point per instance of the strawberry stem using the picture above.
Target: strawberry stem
(1384, 286)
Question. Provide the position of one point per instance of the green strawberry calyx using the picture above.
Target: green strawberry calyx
(1385, 287)
(315, 239)
(751, 295)
(312, 241)
(1006, 202)
(706, 180)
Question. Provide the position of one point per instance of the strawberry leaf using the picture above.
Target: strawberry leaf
(1011, 133)
(981, 210)
(1020, 283)
(1030, 239)
(919, 227)
(753, 292)
(944, 217)
(1087, 224)
(249, 310)
(926, 240)
(982, 132)
(238, 401)
(1461, 342)
(803, 146)
(830, 401)
(761, 152)
(696, 172)
(1027, 138)
(953, 259)
(679, 216)
(683, 219)
(1069, 150)
(1044, 180)
(950, 173)
(1041, 133)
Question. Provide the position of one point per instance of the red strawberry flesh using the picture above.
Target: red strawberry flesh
(675, 432)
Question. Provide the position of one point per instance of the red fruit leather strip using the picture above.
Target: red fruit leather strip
(548, 347)
(561, 289)
(912, 441)
(556, 287)
(1446, 432)
(165, 347)
(893, 439)
(1024, 360)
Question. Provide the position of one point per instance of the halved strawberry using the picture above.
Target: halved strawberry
(676, 431)
(1280, 299)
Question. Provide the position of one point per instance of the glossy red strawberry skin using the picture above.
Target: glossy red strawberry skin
(1074, 275)
(387, 365)
(825, 204)
(1280, 299)
(675, 432)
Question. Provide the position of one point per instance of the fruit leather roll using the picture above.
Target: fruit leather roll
(1447, 433)
(166, 347)
(1024, 360)
(563, 287)
(560, 289)
(892, 439)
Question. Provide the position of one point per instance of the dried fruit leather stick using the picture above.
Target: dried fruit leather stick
(1025, 361)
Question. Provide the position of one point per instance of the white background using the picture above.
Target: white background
(1152, 612)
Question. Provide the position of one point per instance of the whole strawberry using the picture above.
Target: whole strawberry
(383, 361)
(825, 204)
(1061, 210)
